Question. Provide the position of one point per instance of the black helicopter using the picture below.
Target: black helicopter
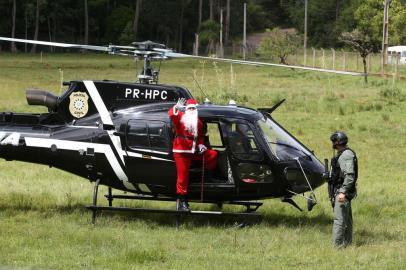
(119, 135)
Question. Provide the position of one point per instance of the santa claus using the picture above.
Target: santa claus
(188, 145)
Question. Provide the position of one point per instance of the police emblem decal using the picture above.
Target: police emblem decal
(78, 106)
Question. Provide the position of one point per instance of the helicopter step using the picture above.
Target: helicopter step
(250, 212)
(250, 206)
(173, 212)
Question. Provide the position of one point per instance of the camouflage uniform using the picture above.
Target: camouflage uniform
(347, 167)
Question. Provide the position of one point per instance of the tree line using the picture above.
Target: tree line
(175, 22)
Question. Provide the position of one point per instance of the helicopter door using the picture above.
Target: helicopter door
(213, 139)
(248, 161)
(147, 144)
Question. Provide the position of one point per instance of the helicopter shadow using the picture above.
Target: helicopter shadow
(289, 220)
(171, 220)
(267, 219)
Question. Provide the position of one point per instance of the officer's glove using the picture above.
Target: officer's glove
(180, 105)
(202, 148)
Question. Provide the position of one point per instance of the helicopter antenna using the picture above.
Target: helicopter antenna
(274, 107)
(198, 86)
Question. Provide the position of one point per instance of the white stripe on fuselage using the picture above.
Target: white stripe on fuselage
(78, 146)
(105, 116)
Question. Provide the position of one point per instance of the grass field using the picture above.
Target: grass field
(44, 225)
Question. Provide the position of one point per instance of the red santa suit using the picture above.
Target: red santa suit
(186, 145)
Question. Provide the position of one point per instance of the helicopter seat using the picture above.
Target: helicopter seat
(239, 143)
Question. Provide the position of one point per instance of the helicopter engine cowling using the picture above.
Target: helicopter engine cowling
(43, 98)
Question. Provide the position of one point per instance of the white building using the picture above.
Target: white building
(394, 51)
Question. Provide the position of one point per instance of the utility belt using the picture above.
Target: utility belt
(185, 137)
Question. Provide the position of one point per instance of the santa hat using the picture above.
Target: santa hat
(191, 103)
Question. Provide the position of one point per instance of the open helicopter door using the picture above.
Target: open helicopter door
(249, 162)
(148, 162)
(212, 185)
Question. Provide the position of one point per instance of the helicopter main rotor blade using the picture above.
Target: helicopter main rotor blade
(111, 49)
(58, 44)
(163, 54)
(171, 54)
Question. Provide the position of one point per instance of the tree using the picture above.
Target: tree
(227, 30)
(280, 44)
(184, 4)
(211, 8)
(136, 18)
(327, 19)
(209, 35)
(369, 19)
(200, 15)
(86, 24)
(360, 42)
(34, 46)
(13, 28)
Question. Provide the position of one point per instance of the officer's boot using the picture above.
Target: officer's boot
(182, 204)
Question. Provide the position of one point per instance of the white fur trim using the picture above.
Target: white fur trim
(192, 151)
(183, 151)
(191, 105)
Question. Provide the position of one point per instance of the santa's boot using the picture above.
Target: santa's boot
(182, 203)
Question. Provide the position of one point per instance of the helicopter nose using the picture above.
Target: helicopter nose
(304, 174)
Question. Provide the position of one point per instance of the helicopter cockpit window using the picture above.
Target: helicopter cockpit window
(242, 142)
(282, 145)
(213, 138)
(147, 136)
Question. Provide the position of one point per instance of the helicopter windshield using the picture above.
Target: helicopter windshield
(282, 145)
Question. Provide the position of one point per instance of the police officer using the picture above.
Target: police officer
(342, 188)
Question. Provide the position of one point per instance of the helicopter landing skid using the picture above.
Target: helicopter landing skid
(249, 213)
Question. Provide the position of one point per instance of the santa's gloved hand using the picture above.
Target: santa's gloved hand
(202, 148)
(180, 104)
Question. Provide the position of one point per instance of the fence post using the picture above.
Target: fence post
(323, 59)
(334, 58)
(296, 57)
(357, 62)
(314, 57)
(196, 45)
(396, 68)
(344, 61)
(369, 62)
(382, 66)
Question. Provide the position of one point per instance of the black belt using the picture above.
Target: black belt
(185, 137)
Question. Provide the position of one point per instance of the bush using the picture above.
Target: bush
(279, 44)
(390, 93)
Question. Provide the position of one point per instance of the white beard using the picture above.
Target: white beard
(189, 119)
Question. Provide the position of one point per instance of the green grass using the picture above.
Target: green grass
(43, 222)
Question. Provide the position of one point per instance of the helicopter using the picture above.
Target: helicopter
(118, 134)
